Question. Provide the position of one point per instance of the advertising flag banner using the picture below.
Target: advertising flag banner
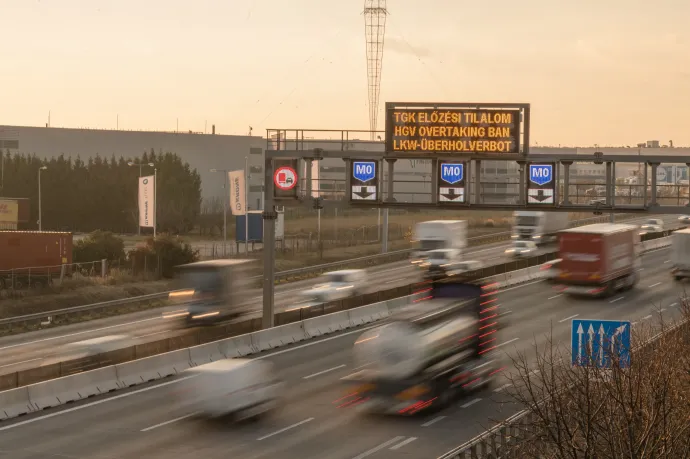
(238, 200)
(147, 212)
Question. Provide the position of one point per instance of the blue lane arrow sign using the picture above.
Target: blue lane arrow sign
(540, 174)
(452, 172)
(600, 343)
(364, 170)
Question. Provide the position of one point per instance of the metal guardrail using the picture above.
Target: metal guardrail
(488, 271)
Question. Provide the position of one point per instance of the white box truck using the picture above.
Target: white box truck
(438, 234)
(680, 254)
(538, 226)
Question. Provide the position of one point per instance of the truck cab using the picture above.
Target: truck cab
(438, 234)
(538, 226)
(211, 291)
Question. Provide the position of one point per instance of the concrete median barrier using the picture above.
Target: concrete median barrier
(239, 346)
(327, 324)
(152, 368)
(368, 314)
(283, 335)
(15, 402)
(206, 353)
(73, 388)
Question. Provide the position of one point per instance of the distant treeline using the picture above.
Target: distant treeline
(102, 193)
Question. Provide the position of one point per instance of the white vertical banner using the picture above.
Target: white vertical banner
(147, 213)
(315, 180)
(238, 199)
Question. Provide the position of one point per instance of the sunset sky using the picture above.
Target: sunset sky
(610, 72)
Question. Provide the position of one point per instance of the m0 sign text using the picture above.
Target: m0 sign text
(452, 131)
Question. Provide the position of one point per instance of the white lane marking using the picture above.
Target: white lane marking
(533, 372)
(519, 286)
(378, 448)
(667, 261)
(508, 342)
(285, 429)
(302, 346)
(617, 299)
(391, 281)
(568, 318)
(18, 363)
(97, 402)
(324, 371)
(471, 402)
(151, 334)
(647, 317)
(556, 296)
(403, 443)
(661, 310)
(433, 421)
(502, 388)
(673, 305)
(654, 285)
(170, 421)
(505, 313)
(79, 333)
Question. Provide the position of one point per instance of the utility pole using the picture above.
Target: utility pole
(225, 207)
(40, 207)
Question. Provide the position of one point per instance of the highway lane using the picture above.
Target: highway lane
(143, 423)
(40, 347)
(32, 348)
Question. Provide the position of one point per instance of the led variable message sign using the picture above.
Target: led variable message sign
(452, 130)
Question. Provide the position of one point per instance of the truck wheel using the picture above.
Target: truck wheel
(677, 279)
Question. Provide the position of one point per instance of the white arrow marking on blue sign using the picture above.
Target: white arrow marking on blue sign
(590, 332)
(580, 332)
(619, 331)
(601, 344)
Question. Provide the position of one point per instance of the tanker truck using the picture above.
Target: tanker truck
(428, 353)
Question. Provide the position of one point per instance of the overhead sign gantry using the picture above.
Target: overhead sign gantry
(456, 139)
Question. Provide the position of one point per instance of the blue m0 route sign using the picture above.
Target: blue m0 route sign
(451, 182)
(541, 184)
(364, 182)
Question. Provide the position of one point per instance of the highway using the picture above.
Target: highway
(40, 347)
(144, 421)
(29, 350)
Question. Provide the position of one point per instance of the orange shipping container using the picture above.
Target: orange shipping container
(33, 249)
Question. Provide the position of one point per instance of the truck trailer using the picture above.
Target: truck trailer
(680, 254)
(428, 353)
(439, 234)
(599, 260)
(538, 226)
(33, 257)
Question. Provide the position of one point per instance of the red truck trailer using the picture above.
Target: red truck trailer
(32, 257)
(599, 260)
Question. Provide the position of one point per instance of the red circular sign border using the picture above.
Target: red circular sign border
(275, 176)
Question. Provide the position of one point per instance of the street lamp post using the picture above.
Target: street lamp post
(246, 205)
(40, 208)
(140, 164)
(225, 208)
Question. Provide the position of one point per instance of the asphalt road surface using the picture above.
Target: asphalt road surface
(29, 350)
(144, 421)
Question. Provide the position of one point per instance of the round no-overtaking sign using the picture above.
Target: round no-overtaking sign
(285, 178)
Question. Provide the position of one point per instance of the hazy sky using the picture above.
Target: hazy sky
(611, 72)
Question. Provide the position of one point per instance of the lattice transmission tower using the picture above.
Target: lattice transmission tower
(375, 30)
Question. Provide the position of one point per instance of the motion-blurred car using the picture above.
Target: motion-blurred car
(336, 286)
(684, 219)
(551, 269)
(241, 388)
(653, 225)
(87, 354)
(446, 262)
(522, 249)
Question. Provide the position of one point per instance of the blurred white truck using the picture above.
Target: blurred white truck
(680, 254)
(538, 226)
(439, 234)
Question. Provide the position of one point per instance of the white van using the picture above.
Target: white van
(243, 388)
